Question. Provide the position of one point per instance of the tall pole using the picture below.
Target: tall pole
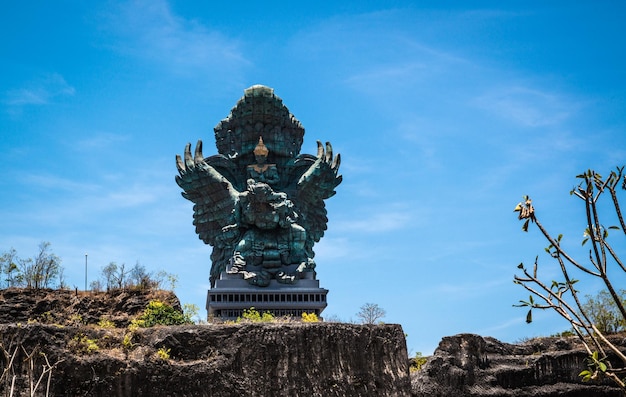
(85, 272)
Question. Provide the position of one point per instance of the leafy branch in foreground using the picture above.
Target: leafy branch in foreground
(561, 296)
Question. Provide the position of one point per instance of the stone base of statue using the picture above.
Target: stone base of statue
(232, 295)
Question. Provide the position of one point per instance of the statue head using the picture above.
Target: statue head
(261, 151)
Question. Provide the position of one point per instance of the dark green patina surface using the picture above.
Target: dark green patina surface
(259, 202)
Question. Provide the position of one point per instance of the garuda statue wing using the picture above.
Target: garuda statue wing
(317, 183)
(208, 183)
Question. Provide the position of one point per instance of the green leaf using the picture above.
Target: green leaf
(522, 304)
(586, 375)
(585, 241)
(529, 317)
(614, 227)
(602, 366)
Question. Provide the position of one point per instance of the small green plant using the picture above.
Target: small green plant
(417, 362)
(80, 343)
(106, 323)
(46, 318)
(253, 315)
(76, 320)
(127, 342)
(163, 354)
(595, 367)
(135, 324)
(309, 318)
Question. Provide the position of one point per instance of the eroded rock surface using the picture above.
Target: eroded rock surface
(65, 307)
(472, 366)
(248, 359)
(216, 360)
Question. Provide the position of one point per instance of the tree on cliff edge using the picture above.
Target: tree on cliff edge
(37, 272)
(11, 276)
(370, 313)
(40, 271)
(563, 296)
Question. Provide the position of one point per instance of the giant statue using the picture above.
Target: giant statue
(259, 202)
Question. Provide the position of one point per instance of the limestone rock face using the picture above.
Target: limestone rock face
(40, 329)
(472, 366)
(216, 360)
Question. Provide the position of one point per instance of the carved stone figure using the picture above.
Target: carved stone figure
(259, 202)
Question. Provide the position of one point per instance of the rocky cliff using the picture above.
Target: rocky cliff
(51, 341)
(66, 307)
(256, 359)
(472, 366)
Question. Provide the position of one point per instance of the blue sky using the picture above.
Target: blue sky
(445, 115)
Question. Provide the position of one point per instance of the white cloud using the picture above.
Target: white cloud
(53, 182)
(468, 289)
(376, 222)
(387, 76)
(334, 249)
(96, 198)
(514, 322)
(527, 106)
(150, 30)
(99, 141)
(41, 91)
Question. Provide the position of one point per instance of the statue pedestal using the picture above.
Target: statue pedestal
(232, 295)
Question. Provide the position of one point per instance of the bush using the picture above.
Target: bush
(309, 318)
(417, 362)
(105, 323)
(76, 320)
(163, 354)
(80, 343)
(127, 342)
(254, 316)
(159, 313)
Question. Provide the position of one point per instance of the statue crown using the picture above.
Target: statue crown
(260, 148)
